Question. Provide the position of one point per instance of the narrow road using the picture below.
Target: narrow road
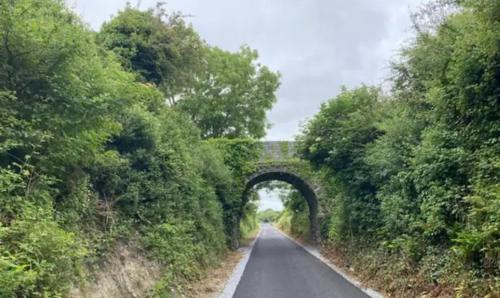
(280, 268)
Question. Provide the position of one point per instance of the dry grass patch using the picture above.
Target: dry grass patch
(215, 279)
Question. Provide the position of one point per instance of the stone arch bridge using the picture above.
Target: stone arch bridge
(279, 163)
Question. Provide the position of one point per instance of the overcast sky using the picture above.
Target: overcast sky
(317, 45)
(269, 200)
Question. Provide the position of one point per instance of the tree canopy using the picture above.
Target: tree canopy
(159, 47)
(232, 97)
(226, 94)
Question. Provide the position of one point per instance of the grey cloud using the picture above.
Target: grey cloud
(317, 45)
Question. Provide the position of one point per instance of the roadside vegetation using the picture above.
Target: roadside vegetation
(249, 224)
(294, 219)
(118, 136)
(268, 215)
(142, 134)
(411, 178)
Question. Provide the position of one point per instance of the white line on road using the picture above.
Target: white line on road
(314, 251)
(235, 278)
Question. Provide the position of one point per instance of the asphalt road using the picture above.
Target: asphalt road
(280, 268)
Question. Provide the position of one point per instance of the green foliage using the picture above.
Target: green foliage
(57, 95)
(294, 219)
(226, 94)
(415, 177)
(284, 148)
(240, 156)
(336, 140)
(37, 257)
(172, 190)
(447, 177)
(233, 95)
(181, 249)
(248, 222)
(54, 86)
(159, 47)
(42, 259)
(268, 215)
(90, 153)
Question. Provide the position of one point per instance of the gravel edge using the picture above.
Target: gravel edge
(234, 279)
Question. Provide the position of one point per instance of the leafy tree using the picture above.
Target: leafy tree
(268, 215)
(248, 222)
(336, 139)
(55, 89)
(294, 218)
(231, 98)
(226, 94)
(157, 46)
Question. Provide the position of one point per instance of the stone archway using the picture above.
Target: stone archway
(284, 174)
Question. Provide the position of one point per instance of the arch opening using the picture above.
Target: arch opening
(306, 191)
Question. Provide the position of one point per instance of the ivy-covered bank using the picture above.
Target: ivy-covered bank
(411, 179)
(95, 151)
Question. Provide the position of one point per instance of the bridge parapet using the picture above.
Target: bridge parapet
(278, 151)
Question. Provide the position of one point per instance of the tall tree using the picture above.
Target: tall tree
(158, 46)
(232, 97)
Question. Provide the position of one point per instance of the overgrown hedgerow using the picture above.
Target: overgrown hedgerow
(412, 178)
(91, 154)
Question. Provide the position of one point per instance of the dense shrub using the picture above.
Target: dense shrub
(335, 140)
(413, 178)
(248, 222)
(241, 156)
(294, 219)
(268, 215)
(90, 153)
(37, 256)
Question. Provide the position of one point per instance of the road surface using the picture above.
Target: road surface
(280, 268)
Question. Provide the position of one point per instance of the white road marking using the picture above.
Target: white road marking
(235, 278)
(315, 252)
